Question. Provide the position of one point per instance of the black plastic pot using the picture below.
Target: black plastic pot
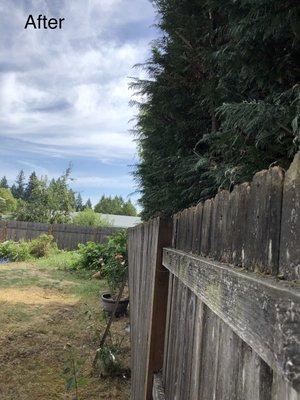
(109, 304)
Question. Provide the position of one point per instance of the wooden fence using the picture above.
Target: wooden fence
(214, 297)
(66, 236)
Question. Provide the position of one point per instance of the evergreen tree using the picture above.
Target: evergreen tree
(18, 189)
(4, 183)
(221, 101)
(129, 209)
(47, 202)
(31, 184)
(79, 203)
(115, 205)
(88, 204)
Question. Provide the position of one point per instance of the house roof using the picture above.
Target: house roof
(122, 221)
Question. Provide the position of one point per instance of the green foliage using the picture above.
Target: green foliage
(89, 217)
(88, 204)
(49, 202)
(115, 205)
(42, 246)
(221, 100)
(110, 364)
(4, 183)
(18, 189)
(62, 260)
(14, 251)
(7, 202)
(115, 264)
(79, 203)
(110, 258)
(72, 370)
(91, 256)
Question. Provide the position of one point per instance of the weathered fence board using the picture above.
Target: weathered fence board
(66, 236)
(290, 226)
(148, 280)
(259, 309)
(232, 325)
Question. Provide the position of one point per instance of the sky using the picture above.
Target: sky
(64, 93)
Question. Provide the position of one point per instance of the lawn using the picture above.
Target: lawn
(50, 321)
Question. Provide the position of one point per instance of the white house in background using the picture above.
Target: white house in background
(122, 221)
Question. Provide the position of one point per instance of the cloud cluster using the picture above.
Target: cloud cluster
(65, 92)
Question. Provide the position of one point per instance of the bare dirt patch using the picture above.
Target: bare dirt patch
(34, 295)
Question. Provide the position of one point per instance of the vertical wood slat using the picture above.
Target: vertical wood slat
(226, 234)
(264, 218)
(148, 287)
(256, 226)
(290, 223)
(158, 302)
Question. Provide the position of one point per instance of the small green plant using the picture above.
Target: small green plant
(42, 246)
(89, 217)
(71, 371)
(109, 362)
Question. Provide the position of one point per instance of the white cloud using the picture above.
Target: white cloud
(100, 182)
(66, 92)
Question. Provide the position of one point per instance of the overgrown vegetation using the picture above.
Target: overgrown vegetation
(221, 100)
(109, 258)
(25, 250)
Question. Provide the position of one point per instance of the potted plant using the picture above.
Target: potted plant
(115, 271)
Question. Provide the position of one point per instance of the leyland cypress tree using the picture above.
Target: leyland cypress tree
(221, 98)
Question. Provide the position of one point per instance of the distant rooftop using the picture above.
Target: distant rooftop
(122, 221)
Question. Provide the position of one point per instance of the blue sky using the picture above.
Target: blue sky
(64, 93)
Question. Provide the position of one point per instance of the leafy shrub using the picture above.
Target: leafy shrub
(14, 251)
(21, 251)
(42, 246)
(89, 217)
(115, 261)
(91, 255)
(109, 258)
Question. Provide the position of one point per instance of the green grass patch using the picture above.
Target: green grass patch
(63, 260)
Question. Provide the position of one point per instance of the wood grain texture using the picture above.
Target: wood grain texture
(158, 392)
(290, 224)
(67, 236)
(263, 312)
(148, 288)
(231, 333)
(263, 221)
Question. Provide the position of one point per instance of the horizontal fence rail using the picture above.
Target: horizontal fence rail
(228, 298)
(263, 311)
(66, 236)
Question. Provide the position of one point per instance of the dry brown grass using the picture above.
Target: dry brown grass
(42, 314)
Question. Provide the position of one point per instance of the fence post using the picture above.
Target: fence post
(148, 293)
(159, 305)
